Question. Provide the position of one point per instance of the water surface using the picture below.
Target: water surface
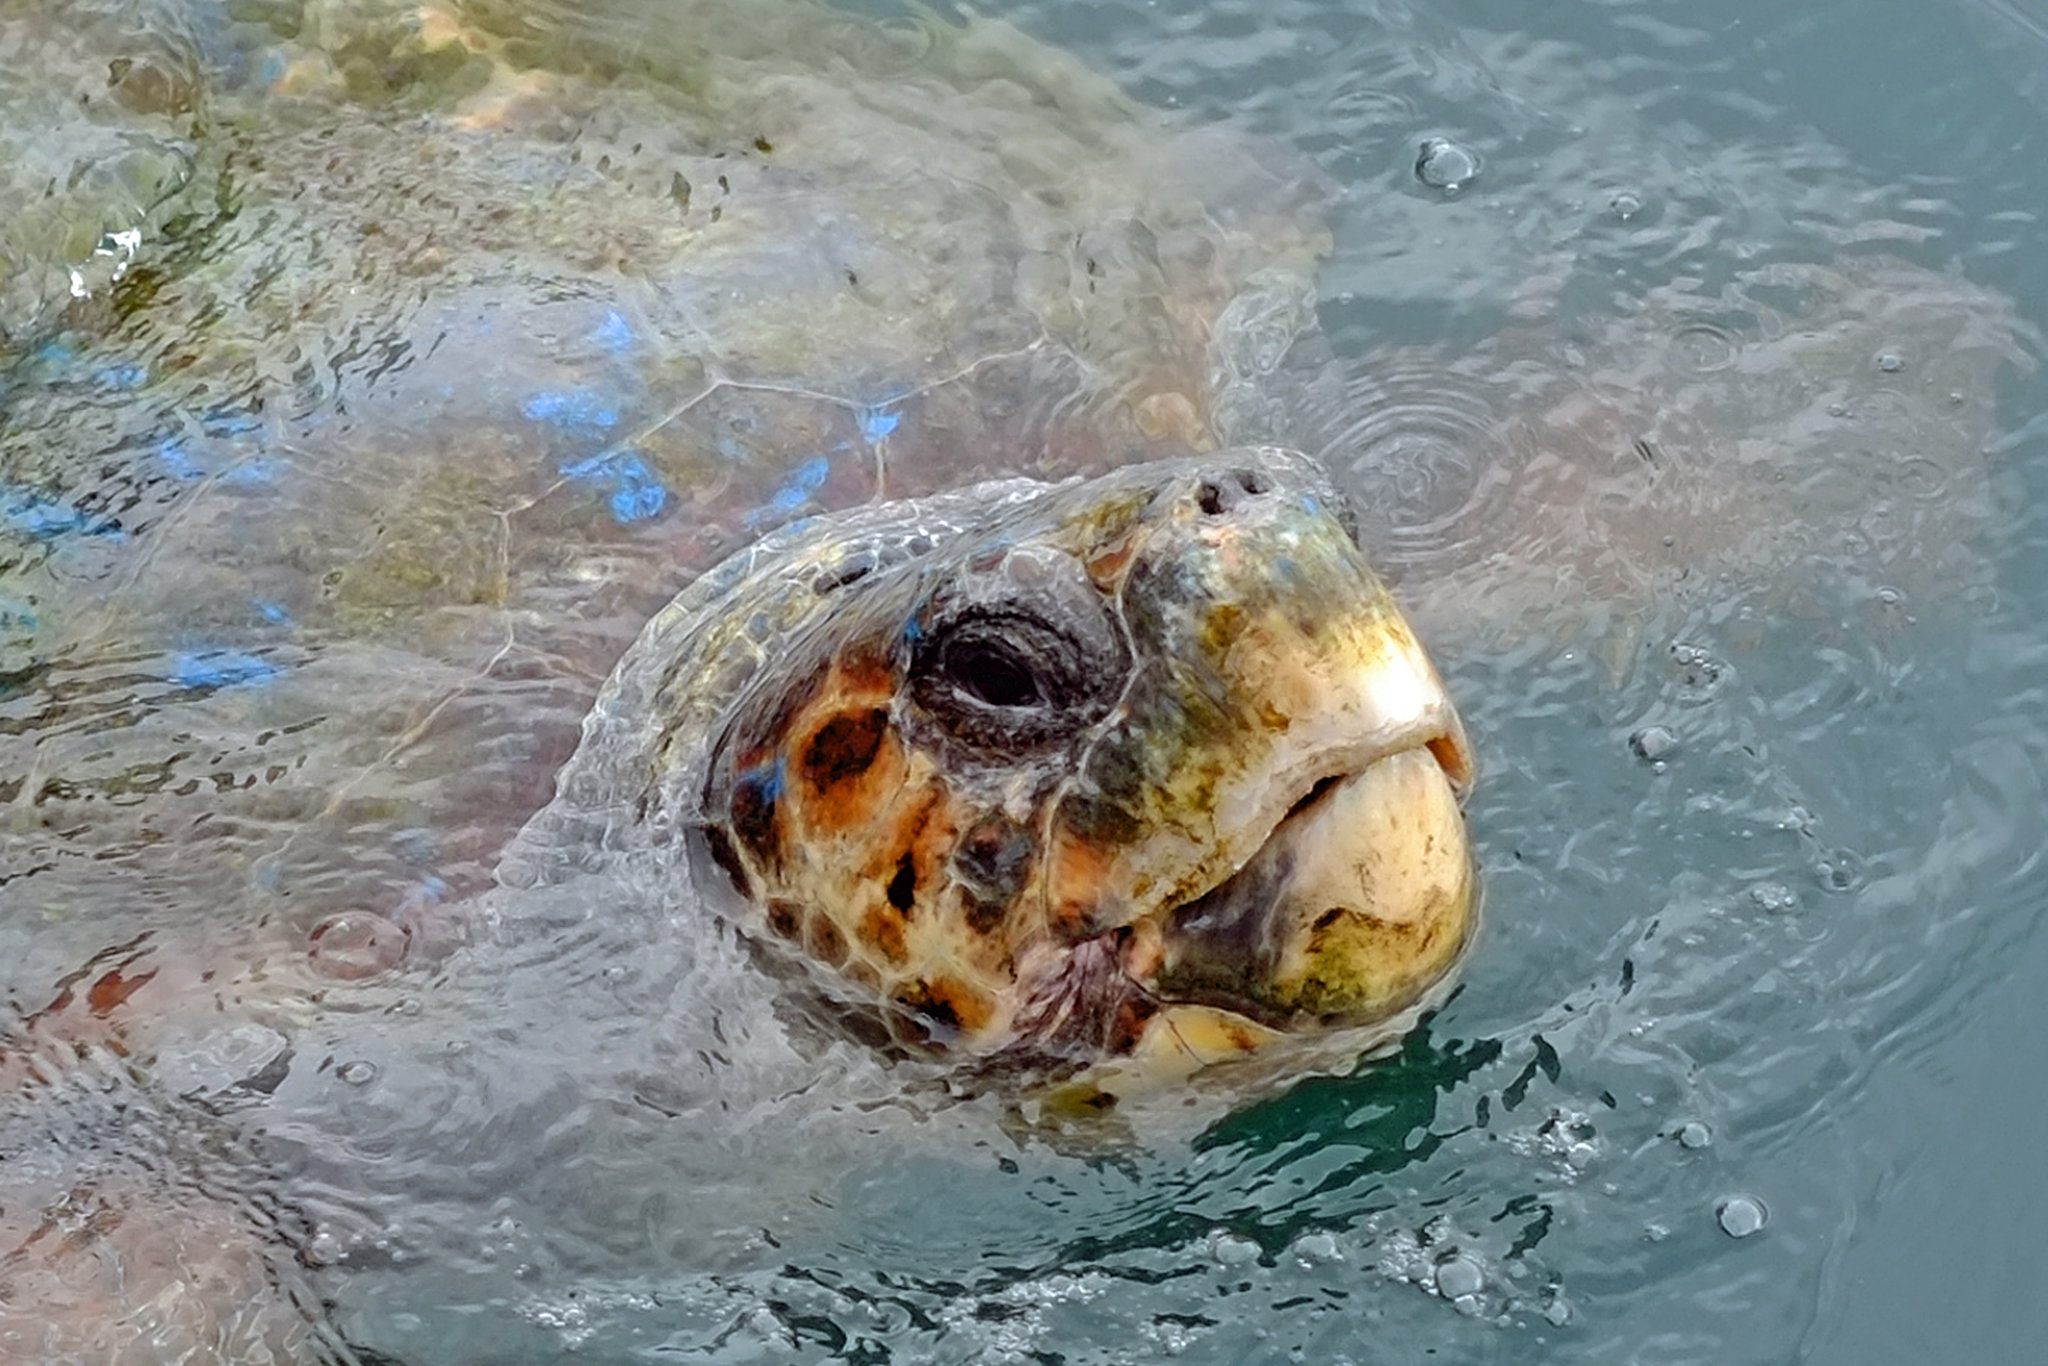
(1744, 1066)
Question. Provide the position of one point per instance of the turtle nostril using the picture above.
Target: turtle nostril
(1221, 495)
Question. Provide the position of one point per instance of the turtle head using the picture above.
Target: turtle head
(1146, 766)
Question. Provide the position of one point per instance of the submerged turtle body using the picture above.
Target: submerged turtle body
(1007, 730)
(438, 369)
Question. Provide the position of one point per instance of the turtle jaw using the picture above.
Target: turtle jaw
(1352, 914)
(1269, 827)
(1347, 922)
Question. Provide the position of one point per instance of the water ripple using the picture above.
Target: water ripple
(1420, 452)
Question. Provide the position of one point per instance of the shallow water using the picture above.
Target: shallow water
(1760, 806)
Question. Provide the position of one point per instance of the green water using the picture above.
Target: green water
(1785, 969)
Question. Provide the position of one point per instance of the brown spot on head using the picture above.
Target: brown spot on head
(786, 919)
(1127, 1024)
(990, 867)
(842, 748)
(902, 891)
(823, 941)
(728, 859)
(847, 763)
(754, 815)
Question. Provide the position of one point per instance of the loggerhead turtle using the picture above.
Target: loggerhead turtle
(420, 362)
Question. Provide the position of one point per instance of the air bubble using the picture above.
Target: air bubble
(1315, 1249)
(1840, 870)
(1695, 1135)
(1445, 165)
(357, 1073)
(1891, 362)
(1653, 743)
(1741, 1215)
(1230, 1250)
(356, 944)
(1459, 1277)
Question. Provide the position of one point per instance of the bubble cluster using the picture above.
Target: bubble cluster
(1774, 897)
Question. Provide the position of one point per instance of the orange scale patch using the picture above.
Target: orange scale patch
(1106, 567)
(841, 750)
(883, 930)
(1076, 875)
(948, 1001)
(848, 765)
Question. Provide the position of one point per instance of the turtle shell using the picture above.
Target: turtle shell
(363, 415)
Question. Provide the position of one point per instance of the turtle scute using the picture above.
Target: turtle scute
(976, 761)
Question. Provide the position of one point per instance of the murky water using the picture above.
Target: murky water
(1681, 365)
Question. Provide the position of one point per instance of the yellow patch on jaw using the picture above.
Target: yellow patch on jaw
(1181, 1039)
(1386, 910)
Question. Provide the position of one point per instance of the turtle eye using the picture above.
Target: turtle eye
(1021, 655)
(992, 671)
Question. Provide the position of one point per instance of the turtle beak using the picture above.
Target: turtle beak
(1358, 905)
(1270, 823)
(1272, 666)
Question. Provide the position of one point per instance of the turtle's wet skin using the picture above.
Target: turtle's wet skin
(1143, 767)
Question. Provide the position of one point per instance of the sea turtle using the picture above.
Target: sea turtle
(357, 479)
(997, 725)
(406, 372)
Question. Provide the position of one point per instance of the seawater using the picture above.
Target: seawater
(1746, 1066)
